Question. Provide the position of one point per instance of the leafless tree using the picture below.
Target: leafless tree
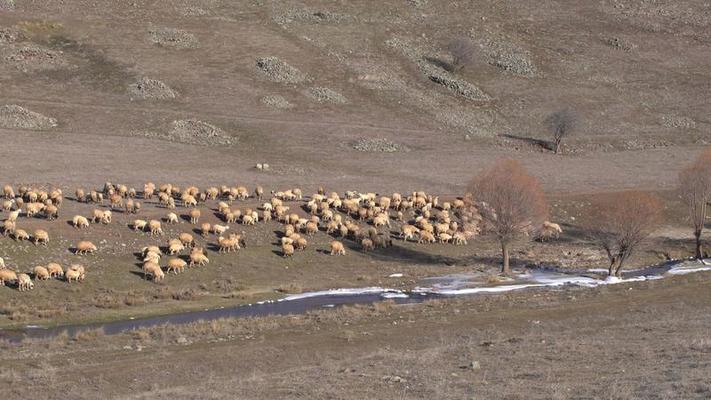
(511, 203)
(620, 222)
(695, 191)
(561, 124)
(462, 51)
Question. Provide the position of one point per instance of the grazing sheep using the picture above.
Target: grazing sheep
(194, 216)
(247, 220)
(197, 256)
(187, 239)
(228, 244)
(85, 247)
(20, 235)
(311, 228)
(116, 201)
(51, 212)
(80, 221)
(24, 282)
(266, 216)
(459, 238)
(41, 273)
(8, 227)
(444, 237)
(287, 250)
(148, 190)
(258, 192)
(7, 205)
(175, 247)
(154, 271)
(337, 248)
(172, 218)
(152, 257)
(40, 236)
(154, 227)
(300, 243)
(549, 230)
(151, 249)
(176, 265)
(139, 225)
(408, 232)
(367, 244)
(73, 275)
(426, 237)
(12, 217)
(6, 276)
(8, 192)
(205, 229)
(381, 240)
(55, 270)
(219, 229)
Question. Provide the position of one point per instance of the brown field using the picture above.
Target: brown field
(356, 96)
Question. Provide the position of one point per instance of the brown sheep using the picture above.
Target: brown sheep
(51, 212)
(80, 221)
(176, 265)
(7, 275)
(300, 243)
(367, 244)
(194, 216)
(197, 256)
(205, 229)
(187, 239)
(287, 250)
(311, 228)
(73, 275)
(175, 247)
(154, 271)
(55, 270)
(24, 283)
(139, 225)
(8, 227)
(154, 227)
(228, 244)
(85, 247)
(20, 235)
(41, 273)
(40, 236)
(337, 248)
(8, 192)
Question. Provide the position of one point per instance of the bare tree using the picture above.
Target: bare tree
(620, 222)
(695, 191)
(462, 51)
(510, 202)
(561, 123)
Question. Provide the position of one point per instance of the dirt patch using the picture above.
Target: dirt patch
(276, 101)
(148, 88)
(279, 71)
(7, 5)
(502, 53)
(619, 43)
(191, 131)
(173, 38)
(378, 145)
(13, 116)
(326, 95)
(36, 58)
(193, 12)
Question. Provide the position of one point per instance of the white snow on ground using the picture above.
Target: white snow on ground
(681, 270)
(338, 292)
(395, 276)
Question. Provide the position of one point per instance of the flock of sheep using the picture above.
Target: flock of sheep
(365, 218)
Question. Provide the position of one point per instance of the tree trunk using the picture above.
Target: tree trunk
(618, 270)
(557, 147)
(505, 269)
(611, 270)
(697, 235)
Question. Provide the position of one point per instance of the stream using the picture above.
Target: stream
(435, 287)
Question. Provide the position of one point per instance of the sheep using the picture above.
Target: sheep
(381, 220)
(458, 204)
(151, 249)
(20, 235)
(300, 243)
(311, 228)
(258, 192)
(247, 220)
(8, 192)
(408, 232)
(287, 250)
(24, 282)
(444, 237)
(8, 227)
(383, 241)
(219, 229)
(205, 229)
(549, 230)
(228, 244)
(152, 257)
(131, 206)
(73, 275)
(115, 201)
(2, 263)
(84, 247)
(154, 226)
(175, 247)
(40, 236)
(7, 205)
(197, 256)
(176, 265)
(12, 217)
(172, 218)
(426, 237)
(194, 216)
(266, 216)
(7, 275)
(459, 238)
(51, 212)
(41, 273)
(139, 225)
(367, 244)
(154, 271)
(337, 248)
(187, 239)
(79, 221)
(148, 190)
(55, 270)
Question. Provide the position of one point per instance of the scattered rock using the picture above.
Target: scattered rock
(311, 17)
(7, 5)
(394, 379)
(677, 121)
(148, 88)
(418, 3)
(174, 38)
(326, 95)
(10, 35)
(378, 145)
(502, 53)
(620, 44)
(193, 12)
(36, 58)
(276, 101)
(191, 131)
(15, 117)
(263, 167)
(279, 71)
